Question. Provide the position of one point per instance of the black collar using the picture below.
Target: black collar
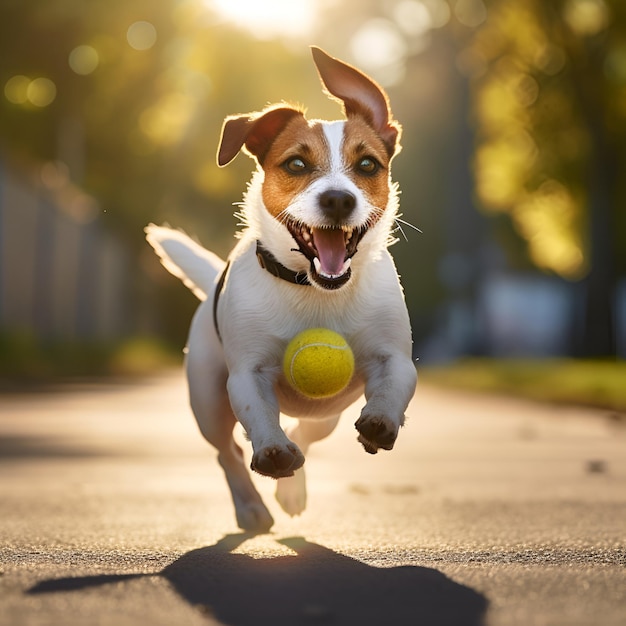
(269, 262)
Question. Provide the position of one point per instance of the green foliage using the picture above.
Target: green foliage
(589, 383)
(136, 121)
(24, 358)
(140, 130)
(550, 87)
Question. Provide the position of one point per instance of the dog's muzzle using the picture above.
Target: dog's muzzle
(329, 250)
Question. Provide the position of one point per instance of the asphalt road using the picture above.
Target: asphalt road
(113, 511)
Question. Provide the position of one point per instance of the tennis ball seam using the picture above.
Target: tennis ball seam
(318, 363)
(317, 344)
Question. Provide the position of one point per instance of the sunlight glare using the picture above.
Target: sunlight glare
(380, 49)
(16, 89)
(141, 35)
(270, 18)
(84, 60)
(41, 92)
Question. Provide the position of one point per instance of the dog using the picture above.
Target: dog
(319, 215)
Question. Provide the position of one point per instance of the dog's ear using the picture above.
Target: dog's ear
(359, 94)
(254, 131)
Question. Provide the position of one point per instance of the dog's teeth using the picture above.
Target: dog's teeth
(348, 232)
(346, 267)
(318, 268)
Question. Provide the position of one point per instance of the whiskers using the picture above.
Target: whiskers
(284, 216)
(377, 213)
(241, 214)
(286, 219)
(400, 223)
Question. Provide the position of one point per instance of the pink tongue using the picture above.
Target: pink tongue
(331, 249)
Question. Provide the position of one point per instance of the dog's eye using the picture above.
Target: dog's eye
(295, 165)
(368, 165)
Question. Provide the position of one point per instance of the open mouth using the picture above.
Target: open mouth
(329, 250)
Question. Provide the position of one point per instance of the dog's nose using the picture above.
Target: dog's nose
(337, 204)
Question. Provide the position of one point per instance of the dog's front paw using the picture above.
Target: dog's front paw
(278, 461)
(376, 432)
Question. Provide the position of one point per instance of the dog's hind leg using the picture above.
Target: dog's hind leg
(291, 491)
(206, 373)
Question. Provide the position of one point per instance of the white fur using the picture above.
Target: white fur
(194, 265)
(304, 207)
(241, 378)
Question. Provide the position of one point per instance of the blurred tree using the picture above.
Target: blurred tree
(550, 94)
(140, 91)
(127, 100)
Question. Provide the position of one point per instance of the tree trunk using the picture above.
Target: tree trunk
(598, 337)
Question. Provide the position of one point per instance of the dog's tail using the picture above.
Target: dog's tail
(197, 267)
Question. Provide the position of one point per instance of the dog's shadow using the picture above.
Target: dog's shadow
(317, 585)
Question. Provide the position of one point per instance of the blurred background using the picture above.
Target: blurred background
(514, 116)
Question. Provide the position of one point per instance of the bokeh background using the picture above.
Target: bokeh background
(512, 169)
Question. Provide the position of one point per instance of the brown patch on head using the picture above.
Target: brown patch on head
(255, 131)
(367, 160)
(300, 143)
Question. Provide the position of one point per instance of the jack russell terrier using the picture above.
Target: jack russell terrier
(318, 215)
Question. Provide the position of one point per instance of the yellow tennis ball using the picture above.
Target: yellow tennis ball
(318, 363)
